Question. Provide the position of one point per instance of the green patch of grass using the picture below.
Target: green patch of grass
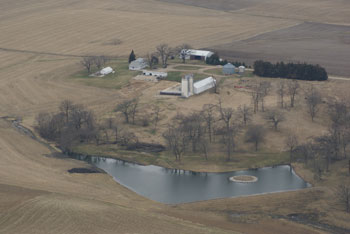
(115, 80)
(174, 76)
(184, 67)
(214, 71)
(177, 76)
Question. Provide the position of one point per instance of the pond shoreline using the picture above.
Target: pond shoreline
(18, 126)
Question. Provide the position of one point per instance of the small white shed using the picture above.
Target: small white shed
(241, 69)
(106, 71)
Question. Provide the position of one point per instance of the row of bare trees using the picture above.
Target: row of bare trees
(285, 89)
(72, 124)
(89, 62)
(214, 123)
(163, 52)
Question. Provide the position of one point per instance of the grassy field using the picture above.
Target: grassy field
(120, 78)
(177, 76)
(195, 162)
(184, 67)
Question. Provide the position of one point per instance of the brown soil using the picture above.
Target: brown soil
(324, 44)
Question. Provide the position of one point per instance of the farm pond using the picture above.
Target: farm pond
(173, 186)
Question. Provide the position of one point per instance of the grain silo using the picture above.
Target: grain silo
(228, 69)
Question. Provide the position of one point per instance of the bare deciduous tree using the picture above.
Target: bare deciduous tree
(281, 92)
(208, 113)
(230, 130)
(183, 51)
(176, 140)
(343, 195)
(87, 63)
(192, 126)
(151, 59)
(275, 117)
(204, 147)
(156, 116)
(263, 89)
(255, 134)
(313, 100)
(66, 107)
(255, 94)
(306, 151)
(339, 113)
(164, 51)
(126, 138)
(129, 109)
(292, 90)
(291, 143)
(245, 114)
(99, 61)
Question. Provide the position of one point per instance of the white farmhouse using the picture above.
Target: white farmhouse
(138, 64)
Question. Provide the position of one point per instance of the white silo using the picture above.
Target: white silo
(187, 85)
(190, 84)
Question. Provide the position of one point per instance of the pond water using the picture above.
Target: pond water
(174, 186)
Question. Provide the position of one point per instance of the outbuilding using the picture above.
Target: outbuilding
(197, 54)
(155, 73)
(228, 69)
(138, 64)
(203, 85)
(106, 71)
(241, 69)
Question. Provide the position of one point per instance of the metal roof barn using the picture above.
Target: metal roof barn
(228, 69)
(203, 85)
(197, 54)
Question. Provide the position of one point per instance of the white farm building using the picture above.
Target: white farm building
(203, 85)
(138, 64)
(189, 88)
(197, 54)
(106, 71)
(155, 73)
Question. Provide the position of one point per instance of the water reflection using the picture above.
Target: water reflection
(174, 186)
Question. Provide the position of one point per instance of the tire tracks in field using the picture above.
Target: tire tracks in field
(45, 53)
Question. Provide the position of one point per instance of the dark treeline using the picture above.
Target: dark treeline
(215, 60)
(298, 71)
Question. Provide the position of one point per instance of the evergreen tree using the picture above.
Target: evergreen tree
(132, 56)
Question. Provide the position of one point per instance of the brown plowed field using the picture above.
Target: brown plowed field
(315, 43)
